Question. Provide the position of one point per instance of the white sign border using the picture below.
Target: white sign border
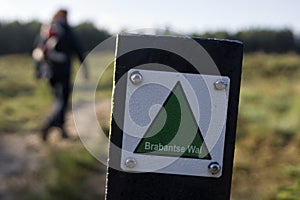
(175, 165)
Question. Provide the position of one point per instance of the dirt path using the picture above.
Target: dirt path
(24, 156)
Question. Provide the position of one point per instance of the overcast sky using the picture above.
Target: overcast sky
(183, 16)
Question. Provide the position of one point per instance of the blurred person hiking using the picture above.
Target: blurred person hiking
(54, 47)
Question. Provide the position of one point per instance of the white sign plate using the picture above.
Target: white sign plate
(174, 123)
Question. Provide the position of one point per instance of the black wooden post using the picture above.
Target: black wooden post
(154, 53)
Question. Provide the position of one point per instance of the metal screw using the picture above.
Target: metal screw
(221, 84)
(214, 168)
(130, 162)
(136, 78)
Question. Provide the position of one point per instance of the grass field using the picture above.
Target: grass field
(267, 161)
(68, 170)
(23, 99)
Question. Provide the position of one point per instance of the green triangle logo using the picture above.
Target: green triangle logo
(174, 131)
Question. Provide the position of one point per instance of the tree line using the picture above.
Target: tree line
(267, 40)
(17, 37)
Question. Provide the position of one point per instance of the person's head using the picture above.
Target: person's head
(60, 15)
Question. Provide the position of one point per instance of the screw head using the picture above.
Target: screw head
(214, 168)
(221, 84)
(136, 78)
(130, 162)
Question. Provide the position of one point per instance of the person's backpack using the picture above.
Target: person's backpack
(49, 62)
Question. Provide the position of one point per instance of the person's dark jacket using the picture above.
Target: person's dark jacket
(58, 49)
(67, 44)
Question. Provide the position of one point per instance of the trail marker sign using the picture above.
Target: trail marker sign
(168, 118)
(174, 118)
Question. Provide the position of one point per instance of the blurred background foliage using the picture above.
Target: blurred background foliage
(267, 162)
(18, 37)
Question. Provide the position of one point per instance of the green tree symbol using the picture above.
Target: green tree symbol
(179, 136)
